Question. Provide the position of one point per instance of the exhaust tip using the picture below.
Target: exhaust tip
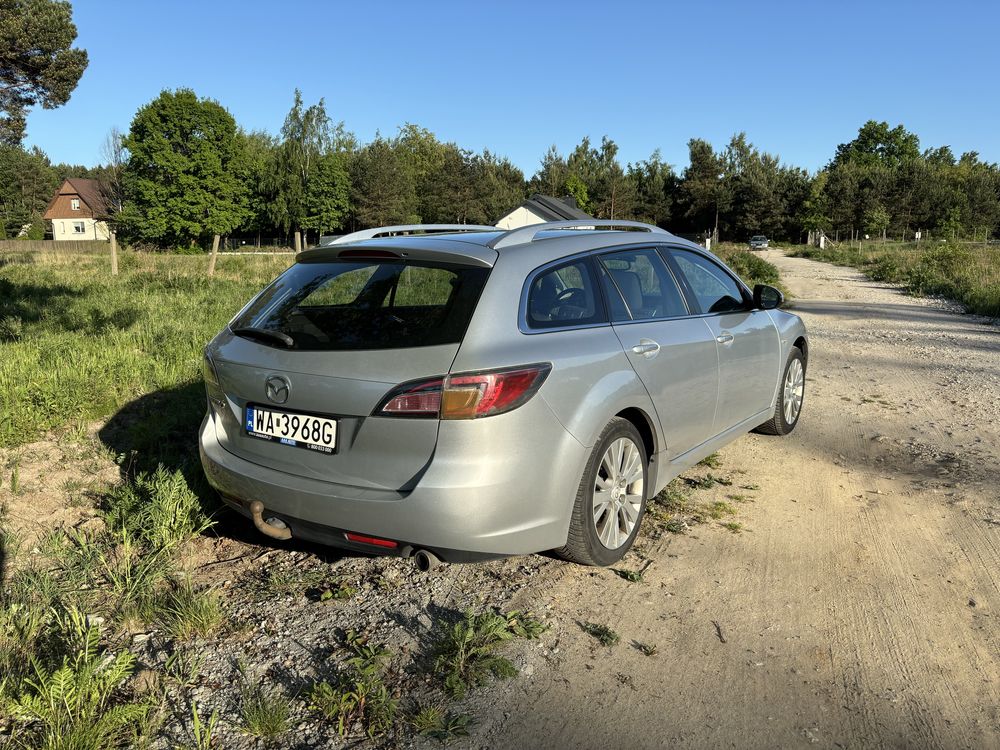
(425, 560)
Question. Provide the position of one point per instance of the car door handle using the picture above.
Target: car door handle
(725, 338)
(647, 348)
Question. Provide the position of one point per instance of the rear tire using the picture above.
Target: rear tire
(791, 397)
(611, 499)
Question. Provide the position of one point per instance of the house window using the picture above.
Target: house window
(79, 227)
(74, 203)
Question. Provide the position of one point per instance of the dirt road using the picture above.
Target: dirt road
(859, 607)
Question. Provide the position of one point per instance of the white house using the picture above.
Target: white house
(540, 208)
(76, 211)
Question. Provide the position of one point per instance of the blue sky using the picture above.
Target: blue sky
(516, 77)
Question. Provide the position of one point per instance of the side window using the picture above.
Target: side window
(640, 287)
(715, 290)
(564, 296)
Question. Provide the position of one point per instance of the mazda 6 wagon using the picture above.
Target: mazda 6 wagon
(458, 393)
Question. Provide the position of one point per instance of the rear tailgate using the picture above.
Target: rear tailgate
(339, 335)
(375, 452)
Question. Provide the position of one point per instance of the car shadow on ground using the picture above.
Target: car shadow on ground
(160, 429)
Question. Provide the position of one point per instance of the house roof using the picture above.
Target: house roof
(89, 192)
(554, 209)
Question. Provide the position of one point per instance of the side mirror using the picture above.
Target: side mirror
(767, 297)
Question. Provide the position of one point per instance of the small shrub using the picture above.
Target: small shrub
(159, 508)
(441, 725)
(466, 652)
(713, 461)
(632, 576)
(604, 635)
(79, 703)
(358, 694)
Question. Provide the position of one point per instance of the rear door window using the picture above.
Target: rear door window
(565, 296)
(342, 305)
(714, 289)
(640, 287)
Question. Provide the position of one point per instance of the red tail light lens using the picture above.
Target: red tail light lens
(466, 395)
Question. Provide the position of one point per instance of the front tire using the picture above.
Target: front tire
(611, 499)
(791, 396)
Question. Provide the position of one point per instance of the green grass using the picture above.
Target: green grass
(79, 344)
(264, 711)
(965, 273)
(187, 612)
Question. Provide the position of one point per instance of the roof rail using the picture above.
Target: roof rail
(367, 234)
(527, 234)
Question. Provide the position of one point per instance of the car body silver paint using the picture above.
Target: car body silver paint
(503, 484)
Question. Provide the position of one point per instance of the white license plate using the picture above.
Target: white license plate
(291, 428)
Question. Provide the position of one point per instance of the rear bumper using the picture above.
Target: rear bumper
(498, 486)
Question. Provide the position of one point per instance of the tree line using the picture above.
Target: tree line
(186, 171)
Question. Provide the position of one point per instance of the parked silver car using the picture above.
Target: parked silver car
(476, 393)
(758, 242)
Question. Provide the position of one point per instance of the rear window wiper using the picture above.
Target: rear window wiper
(267, 335)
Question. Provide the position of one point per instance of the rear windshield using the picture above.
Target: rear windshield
(364, 304)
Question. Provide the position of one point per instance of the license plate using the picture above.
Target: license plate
(291, 428)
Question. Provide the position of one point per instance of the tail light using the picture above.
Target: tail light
(465, 395)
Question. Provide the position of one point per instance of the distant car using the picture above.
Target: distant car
(758, 242)
(483, 393)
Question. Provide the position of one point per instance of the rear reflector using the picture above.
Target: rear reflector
(421, 399)
(466, 395)
(374, 541)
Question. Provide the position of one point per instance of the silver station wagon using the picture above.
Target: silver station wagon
(459, 393)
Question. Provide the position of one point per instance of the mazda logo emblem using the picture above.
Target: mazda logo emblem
(277, 388)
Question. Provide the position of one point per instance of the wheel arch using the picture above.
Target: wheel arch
(803, 345)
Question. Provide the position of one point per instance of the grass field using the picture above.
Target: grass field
(965, 273)
(78, 344)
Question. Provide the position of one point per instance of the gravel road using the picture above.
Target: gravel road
(860, 605)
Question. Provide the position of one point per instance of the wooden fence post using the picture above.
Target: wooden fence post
(114, 253)
(213, 256)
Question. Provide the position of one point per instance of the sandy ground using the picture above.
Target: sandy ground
(860, 607)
